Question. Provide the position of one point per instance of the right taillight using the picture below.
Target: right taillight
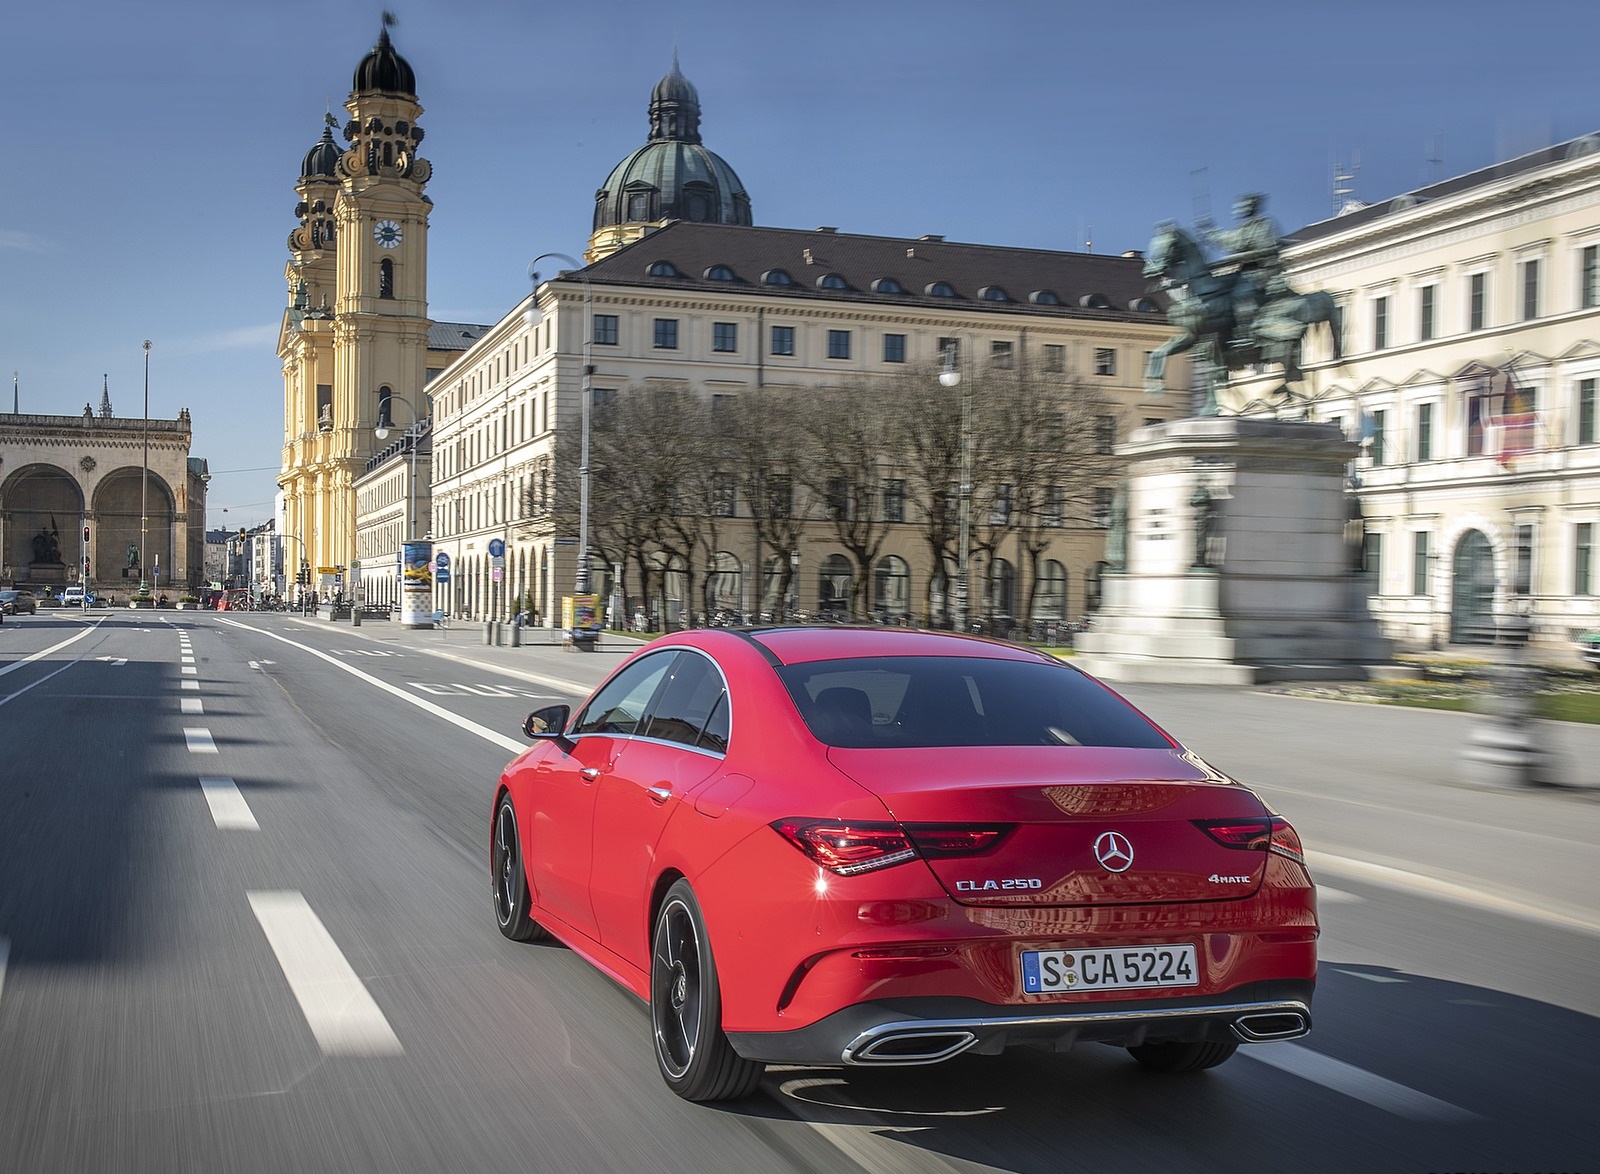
(1269, 834)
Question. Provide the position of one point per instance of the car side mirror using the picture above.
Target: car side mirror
(549, 722)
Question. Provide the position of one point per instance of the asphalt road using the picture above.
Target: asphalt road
(245, 925)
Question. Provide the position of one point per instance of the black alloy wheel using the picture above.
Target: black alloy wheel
(1173, 1057)
(511, 896)
(696, 1059)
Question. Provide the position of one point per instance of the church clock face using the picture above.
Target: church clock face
(387, 233)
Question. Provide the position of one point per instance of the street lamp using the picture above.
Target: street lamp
(144, 481)
(951, 377)
(413, 433)
(582, 585)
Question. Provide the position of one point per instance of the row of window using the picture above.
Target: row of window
(1497, 423)
(889, 285)
(1585, 581)
(1530, 275)
(781, 342)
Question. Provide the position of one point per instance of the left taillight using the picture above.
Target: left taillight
(849, 848)
(1268, 834)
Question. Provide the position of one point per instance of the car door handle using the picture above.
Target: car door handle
(590, 773)
(659, 794)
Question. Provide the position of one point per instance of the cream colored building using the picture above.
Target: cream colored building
(730, 310)
(392, 508)
(1471, 313)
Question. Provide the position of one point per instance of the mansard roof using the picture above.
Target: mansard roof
(927, 272)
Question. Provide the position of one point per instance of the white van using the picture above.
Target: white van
(72, 597)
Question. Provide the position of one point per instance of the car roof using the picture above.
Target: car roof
(794, 645)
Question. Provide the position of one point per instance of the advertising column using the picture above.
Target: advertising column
(416, 585)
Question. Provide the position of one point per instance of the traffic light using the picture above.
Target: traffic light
(86, 533)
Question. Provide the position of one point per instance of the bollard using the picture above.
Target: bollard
(355, 615)
(488, 631)
(516, 635)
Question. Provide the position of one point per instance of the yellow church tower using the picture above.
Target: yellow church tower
(355, 332)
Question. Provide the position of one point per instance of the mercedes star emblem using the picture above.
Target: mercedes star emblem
(1113, 851)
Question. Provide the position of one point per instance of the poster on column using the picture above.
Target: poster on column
(416, 585)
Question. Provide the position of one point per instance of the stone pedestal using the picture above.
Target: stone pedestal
(1250, 580)
(48, 573)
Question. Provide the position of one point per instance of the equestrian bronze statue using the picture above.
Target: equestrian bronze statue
(1238, 311)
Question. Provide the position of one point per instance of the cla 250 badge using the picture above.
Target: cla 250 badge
(997, 886)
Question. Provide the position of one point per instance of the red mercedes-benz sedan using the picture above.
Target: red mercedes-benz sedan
(844, 846)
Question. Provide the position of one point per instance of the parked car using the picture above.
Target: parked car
(16, 601)
(880, 847)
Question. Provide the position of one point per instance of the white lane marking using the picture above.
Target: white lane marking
(255, 666)
(1357, 1082)
(5, 952)
(117, 660)
(187, 660)
(1370, 977)
(341, 1013)
(189, 671)
(1416, 882)
(228, 807)
(454, 719)
(190, 684)
(190, 705)
(1328, 896)
(199, 740)
(15, 665)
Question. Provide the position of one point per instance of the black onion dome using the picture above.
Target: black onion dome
(385, 71)
(322, 160)
(675, 107)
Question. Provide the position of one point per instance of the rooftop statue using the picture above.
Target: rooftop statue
(1238, 311)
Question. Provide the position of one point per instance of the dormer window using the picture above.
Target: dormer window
(832, 281)
(776, 277)
(663, 269)
(887, 285)
(993, 293)
(940, 289)
(1095, 301)
(1145, 306)
(1044, 297)
(719, 273)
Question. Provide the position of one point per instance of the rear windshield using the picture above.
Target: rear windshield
(961, 701)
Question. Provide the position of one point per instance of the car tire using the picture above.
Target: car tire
(1173, 1057)
(509, 878)
(696, 1059)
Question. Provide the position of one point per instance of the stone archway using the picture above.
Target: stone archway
(1472, 584)
(43, 512)
(132, 531)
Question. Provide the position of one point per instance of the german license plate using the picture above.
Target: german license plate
(1119, 968)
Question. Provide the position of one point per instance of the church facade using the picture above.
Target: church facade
(356, 342)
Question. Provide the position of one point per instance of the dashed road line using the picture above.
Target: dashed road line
(189, 670)
(1358, 1083)
(190, 705)
(5, 953)
(199, 739)
(190, 684)
(228, 807)
(340, 1011)
(1370, 977)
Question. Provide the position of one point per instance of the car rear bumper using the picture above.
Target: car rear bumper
(927, 1031)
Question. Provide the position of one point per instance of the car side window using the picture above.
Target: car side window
(687, 702)
(622, 701)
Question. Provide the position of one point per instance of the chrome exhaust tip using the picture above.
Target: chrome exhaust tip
(910, 1047)
(1265, 1026)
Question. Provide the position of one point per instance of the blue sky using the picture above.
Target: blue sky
(152, 146)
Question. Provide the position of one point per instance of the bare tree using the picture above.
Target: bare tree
(766, 444)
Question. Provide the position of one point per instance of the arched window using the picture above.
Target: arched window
(1092, 580)
(1050, 597)
(994, 293)
(386, 278)
(891, 589)
(832, 281)
(662, 269)
(1002, 603)
(833, 586)
(940, 289)
(719, 273)
(386, 406)
(1095, 301)
(1145, 306)
(1044, 297)
(724, 584)
(887, 285)
(666, 579)
(776, 277)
